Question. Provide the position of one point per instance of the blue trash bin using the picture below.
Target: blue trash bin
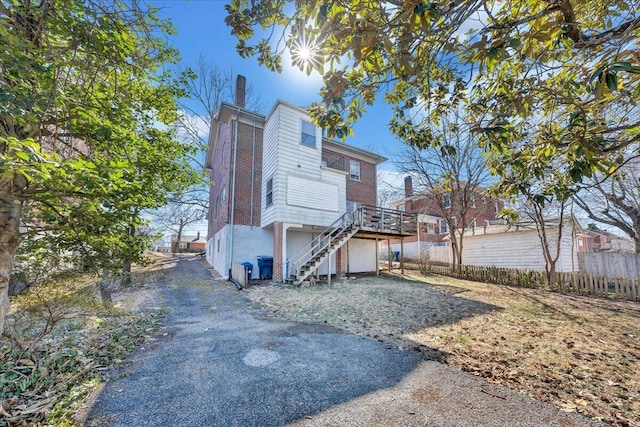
(265, 264)
(396, 255)
(248, 269)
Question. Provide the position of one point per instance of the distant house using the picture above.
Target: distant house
(433, 228)
(282, 189)
(603, 241)
(188, 243)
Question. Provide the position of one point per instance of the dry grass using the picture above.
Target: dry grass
(60, 342)
(580, 354)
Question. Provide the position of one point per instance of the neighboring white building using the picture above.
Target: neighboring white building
(519, 246)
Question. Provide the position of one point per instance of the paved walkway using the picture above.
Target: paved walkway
(228, 363)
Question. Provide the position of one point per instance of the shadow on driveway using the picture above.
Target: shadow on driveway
(226, 363)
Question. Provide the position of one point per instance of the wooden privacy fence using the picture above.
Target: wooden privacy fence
(610, 264)
(582, 284)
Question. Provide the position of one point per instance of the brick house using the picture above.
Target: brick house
(433, 227)
(280, 188)
(188, 243)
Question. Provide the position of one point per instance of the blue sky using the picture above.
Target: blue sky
(202, 31)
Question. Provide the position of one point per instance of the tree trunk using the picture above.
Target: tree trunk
(10, 211)
(106, 287)
(126, 278)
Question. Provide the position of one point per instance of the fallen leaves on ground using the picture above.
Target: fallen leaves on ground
(580, 354)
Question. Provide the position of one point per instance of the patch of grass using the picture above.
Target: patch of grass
(580, 354)
(55, 340)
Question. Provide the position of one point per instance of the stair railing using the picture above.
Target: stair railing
(322, 241)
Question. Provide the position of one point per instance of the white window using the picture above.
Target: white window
(454, 222)
(308, 134)
(446, 201)
(354, 170)
(444, 227)
(223, 195)
(472, 201)
(182, 245)
(496, 207)
(401, 208)
(484, 200)
(269, 193)
(473, 223)
(218, 245)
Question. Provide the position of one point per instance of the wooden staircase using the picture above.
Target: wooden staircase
(307, 261)
(366, 221)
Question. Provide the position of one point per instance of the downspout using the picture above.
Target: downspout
(253, 171)
(233, 187)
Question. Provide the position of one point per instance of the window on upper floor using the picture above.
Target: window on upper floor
(472, 201)
(308, 134)
(444, 227)
(223, 195)
(496, 207)
(473, 223)
(354, 170)
(446, 201)
(269, 193)
(484, 200)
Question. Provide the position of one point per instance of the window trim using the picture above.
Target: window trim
(444, 227)
(353, 176)
(496, 207)
(472, 200)
(307, 141)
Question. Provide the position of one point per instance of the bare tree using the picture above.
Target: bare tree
(207, 86)
(546, 213)
(453, 174)
(387, 191)
(615, 200)
(176, 216)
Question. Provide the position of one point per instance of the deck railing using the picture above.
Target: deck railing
(383, 220)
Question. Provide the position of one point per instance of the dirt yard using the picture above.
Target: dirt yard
(580, 354)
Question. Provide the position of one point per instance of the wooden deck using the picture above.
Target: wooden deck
(378, 222)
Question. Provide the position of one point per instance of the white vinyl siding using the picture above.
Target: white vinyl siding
(312, 194)
(519, 249)
(284, 157)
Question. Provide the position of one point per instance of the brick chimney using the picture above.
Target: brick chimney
(241, 84)
(408, 186)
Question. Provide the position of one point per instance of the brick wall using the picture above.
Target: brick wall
(428, 205)
(220, 180)
(277, 251)
(363, 191)
(249, 156)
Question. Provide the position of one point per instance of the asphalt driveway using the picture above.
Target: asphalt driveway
(226, 362)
